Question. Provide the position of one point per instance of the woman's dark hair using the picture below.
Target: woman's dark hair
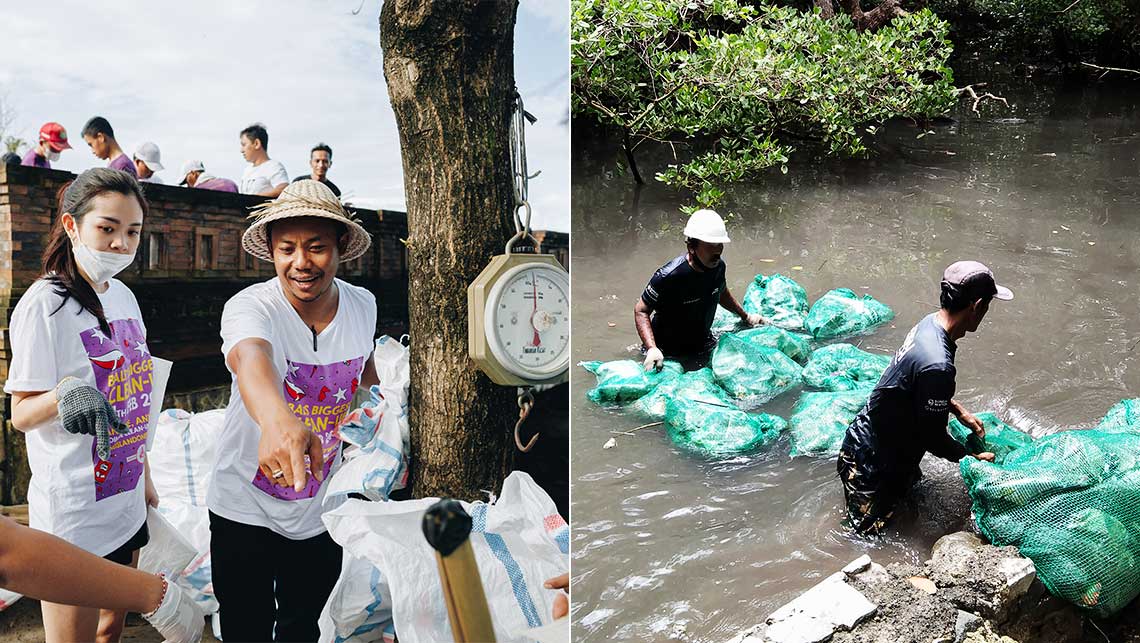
(77, 198)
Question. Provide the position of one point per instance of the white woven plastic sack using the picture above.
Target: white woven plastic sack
(520, 541)
(391, 360)
(374, 465)
(182, 460)
(166, 552)
(7, 598)
(359, 610)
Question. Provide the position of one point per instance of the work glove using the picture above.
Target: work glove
(754, 319)
(83, 410)
(178, 618)
(654, 359)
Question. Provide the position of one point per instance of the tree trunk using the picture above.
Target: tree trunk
(450, 73)
(826, 9)
(874, 19)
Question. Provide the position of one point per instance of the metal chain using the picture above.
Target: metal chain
(526, 403)
(519, 176)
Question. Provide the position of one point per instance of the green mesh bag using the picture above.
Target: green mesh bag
(713, 429)
(1071, 503)
(694, 385)
(778, 299)
(843, 367)
(1000, 439)
(1123, 417)
(841, 312)
(725, 322)
(751, 373)
(794, 345)
(819, 421)
(625, 380)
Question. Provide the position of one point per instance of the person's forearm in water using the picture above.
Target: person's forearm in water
(642, 324)
(39, 565)
(728, 302)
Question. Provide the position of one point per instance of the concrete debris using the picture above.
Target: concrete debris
(965, 624)
(818, 613)
(858, 565)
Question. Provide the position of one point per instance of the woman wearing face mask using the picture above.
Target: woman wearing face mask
(80, 381)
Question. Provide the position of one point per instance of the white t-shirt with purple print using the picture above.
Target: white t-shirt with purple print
(94, 504)
(318, 386)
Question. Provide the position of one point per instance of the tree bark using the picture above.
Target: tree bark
(874, 19)
(450, 73)
(826, 9)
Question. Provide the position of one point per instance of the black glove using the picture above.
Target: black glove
(84, 410)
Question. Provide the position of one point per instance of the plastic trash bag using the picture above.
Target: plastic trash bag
(725, 322)
(794, 345)
(7, 598)
(1123, 417)
(392, 367)
(625, 380)
(778, 299)
(843, 367)
(359, 609)
(1000, 439)
(181, 460)
(519, 542)
(717, 429)
(167, 551)
(819, 421)
(841, 312)
(1071, 503)
(375, 462)
(751, 373)
(693, 385)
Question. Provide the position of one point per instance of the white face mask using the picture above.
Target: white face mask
(99, 265)
(52, 155)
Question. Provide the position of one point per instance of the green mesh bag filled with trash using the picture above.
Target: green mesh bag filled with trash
(779, 299)
(819, 421)
(1070, 502)
(715, 429)
(1000, 439)
(625, 380)
(841, 312)
(725, 322)
(751, 373)
(843, 367)
(1123, 417)
(794, 345)
(693, 385)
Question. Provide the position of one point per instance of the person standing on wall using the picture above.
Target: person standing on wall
(297, 346)
(320, 160)
(148, 160)
(194, 175)
(80, 381)
(53, 140)
(101, 139)
(263, 176)
(674, 315)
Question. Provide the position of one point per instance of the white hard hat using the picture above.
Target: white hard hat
(707, 226)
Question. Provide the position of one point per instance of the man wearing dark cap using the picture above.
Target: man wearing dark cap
(908, 410)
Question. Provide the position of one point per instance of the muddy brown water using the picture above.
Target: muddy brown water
(668, 545)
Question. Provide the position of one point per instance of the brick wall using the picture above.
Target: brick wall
(189, 263)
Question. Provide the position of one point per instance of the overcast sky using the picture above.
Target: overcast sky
(189, 76)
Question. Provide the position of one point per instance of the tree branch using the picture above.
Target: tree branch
(1110, 69)
(969, 89)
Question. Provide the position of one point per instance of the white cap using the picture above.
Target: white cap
(188, 167)
(707, 226)
(148, 153)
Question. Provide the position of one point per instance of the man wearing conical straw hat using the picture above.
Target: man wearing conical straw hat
(298, 347)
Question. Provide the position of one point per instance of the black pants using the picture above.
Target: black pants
(262, 578)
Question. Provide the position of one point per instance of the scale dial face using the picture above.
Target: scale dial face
(528, 321)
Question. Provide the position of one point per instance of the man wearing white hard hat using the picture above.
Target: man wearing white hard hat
(148, 160)
(676, 310)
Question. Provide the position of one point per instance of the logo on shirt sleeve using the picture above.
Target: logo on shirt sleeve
(937, 405)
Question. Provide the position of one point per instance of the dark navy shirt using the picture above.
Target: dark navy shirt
(907, 413)
(332, 186)
(683, 301)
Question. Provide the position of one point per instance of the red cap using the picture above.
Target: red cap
(55, 136)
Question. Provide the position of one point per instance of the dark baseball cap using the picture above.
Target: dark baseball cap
(969, 281)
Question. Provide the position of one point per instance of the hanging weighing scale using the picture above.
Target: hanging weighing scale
(518, 308)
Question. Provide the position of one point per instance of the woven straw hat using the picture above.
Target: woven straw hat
(307, 198)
